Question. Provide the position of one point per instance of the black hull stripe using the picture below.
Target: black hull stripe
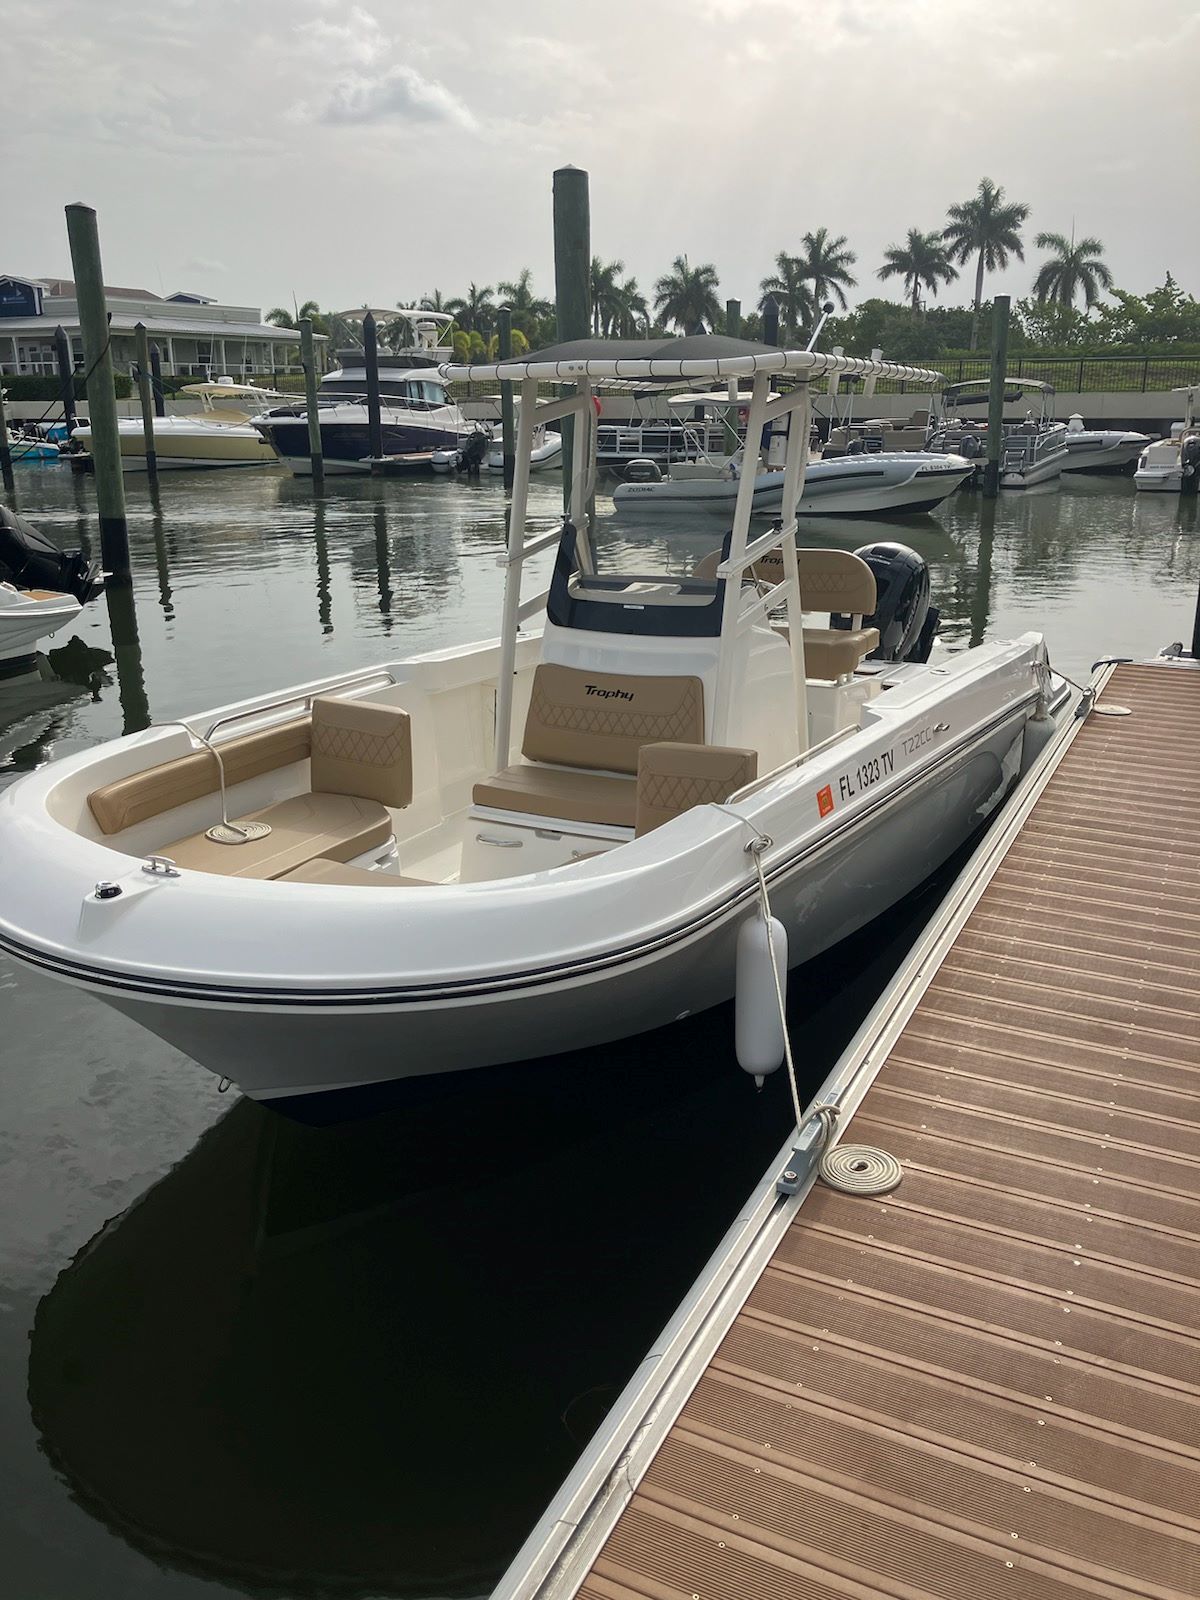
(537, 977)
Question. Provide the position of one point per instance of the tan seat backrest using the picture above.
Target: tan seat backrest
(126, 801)
(602, 719)
(672, 778)
(830, 580)
(363, 748)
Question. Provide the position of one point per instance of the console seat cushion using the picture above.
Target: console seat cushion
(303, 827)
(833, 652)
(568, 795)
(322, 870)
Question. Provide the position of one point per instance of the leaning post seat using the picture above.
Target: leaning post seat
(360, 765)
(582, 740)
(830, 580)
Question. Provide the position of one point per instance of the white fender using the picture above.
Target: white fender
(758, 1029)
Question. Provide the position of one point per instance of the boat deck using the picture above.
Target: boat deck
(986, 1383)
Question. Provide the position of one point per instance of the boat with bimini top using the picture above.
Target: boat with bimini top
(557, 837)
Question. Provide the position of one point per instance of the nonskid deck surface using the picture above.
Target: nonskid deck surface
(987, 1383)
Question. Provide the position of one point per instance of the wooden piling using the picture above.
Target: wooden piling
(308, 361)
(995, 431)
(572, 283)
(156, 383)
(508, 429)
(374, 412)
(770, 320)
(6, 466)
(66, 376)
(733, 318)
(144, 395)
(102, 401)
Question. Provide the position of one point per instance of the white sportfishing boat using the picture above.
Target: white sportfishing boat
(220, 436)
(25, 447)
(545, 450)
(880, 483)
(1033, 451)
(554, 838)
(1101, 449)
(42, 589)
(1172, 465)
(416, 413)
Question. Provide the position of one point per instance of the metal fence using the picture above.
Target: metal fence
(1070, 374)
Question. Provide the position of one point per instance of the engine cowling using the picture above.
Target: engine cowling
(906, 620)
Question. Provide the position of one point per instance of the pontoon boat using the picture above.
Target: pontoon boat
(547, 840)
(1034, 450)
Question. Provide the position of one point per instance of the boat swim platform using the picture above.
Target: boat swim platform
(985, 1383)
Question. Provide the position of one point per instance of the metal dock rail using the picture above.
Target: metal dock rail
(987, 1382)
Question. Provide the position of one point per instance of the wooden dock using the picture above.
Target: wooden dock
(986, 1383)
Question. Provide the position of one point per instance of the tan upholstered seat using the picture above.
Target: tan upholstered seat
(142, 795)
(361, 764)
(568, 795)
(834, 652)
(596, 722)
(338, 872)
(340, 826)
(672, 778)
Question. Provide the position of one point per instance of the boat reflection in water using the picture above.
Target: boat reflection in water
(362, 1358)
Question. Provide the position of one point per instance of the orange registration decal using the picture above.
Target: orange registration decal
(825, 800)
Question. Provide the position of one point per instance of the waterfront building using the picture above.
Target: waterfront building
(196, 335)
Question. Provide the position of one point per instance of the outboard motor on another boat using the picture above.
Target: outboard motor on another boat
(906, 620)
(28, 560)
(642, 470)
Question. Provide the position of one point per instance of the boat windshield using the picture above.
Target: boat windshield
(633, 586)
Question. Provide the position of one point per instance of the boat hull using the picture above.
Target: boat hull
(1044, 471)
(346, 444)
(182, 444)
(24, 623)
(866, 485)
(287, 1053)
(1101, 451)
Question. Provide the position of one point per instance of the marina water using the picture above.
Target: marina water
(243, 1356)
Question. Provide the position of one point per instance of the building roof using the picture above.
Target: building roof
(161, 322)
(64, 288)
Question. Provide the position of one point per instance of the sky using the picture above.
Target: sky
(368, 153)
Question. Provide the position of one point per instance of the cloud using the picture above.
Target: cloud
(397, 93)
(359, 39)
(204, 264)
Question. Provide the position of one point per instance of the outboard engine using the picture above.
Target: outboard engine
(473, 452)
(642, 470)
(1189, 462)
(906, 621)
(29, 561)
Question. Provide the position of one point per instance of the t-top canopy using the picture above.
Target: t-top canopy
(954, 390)
(622, 362)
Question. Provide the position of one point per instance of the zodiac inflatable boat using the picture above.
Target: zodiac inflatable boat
(508, 850)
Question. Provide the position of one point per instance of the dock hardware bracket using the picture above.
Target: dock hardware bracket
(160, 867)
(811, 1142)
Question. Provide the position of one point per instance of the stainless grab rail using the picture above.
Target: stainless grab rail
(304, 698)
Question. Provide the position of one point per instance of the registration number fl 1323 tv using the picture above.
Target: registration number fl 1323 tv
(872, 771)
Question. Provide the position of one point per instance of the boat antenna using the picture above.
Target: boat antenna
(826, 313)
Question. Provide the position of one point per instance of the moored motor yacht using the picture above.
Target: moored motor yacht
(417, 414)
(547, 840)
(875, 484)
(1033, 451)
(220, 436)
(1172, 465)
(1101, 449)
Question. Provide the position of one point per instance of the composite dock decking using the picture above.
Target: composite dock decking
(987, 1383)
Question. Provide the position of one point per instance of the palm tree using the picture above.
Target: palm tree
(633, 312)
(433, 302)
(281, 318)
(687, 295)
(1073, 267)
(605, 302)
(987, 227)
(520, 296)
(922, 261)
(789, 289)
(474, 310)
(826, 264)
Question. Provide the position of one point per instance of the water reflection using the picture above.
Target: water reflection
(363, 1357)
(131, 683)
(321, 546)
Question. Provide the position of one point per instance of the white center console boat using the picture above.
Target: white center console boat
(548, 839)
(1172, 465)
(220, 435)
(1101, 449)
